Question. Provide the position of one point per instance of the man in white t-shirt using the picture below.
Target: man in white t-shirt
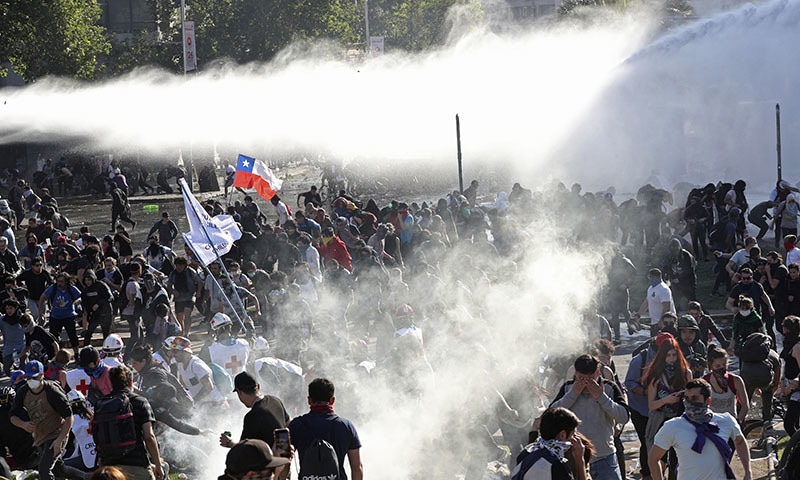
(195, 374)
(700, 439)
(740, 257)
(659, 297)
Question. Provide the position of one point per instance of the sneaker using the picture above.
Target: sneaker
(617, 341)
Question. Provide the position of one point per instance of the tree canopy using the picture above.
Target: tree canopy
(52, 37)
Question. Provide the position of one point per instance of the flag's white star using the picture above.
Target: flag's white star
(245, 163)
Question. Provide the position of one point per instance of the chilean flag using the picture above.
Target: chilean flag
(254, 173)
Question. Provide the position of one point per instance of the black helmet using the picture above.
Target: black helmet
(7, 395)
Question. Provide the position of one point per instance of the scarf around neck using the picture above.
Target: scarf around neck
(709, 430)
(556, 447)
(321, 407)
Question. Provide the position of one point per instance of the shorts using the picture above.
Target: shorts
(184, 305)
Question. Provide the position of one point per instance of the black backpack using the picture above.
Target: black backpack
(113, 427)
(320, 459)
(755, 348)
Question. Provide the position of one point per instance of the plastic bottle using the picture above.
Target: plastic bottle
(16, 360)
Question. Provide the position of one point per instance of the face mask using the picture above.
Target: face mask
(96, 371)
(697, 412)
(745, 313)
(33, 384)
(788, 246)
(251, 274)
(653, 283)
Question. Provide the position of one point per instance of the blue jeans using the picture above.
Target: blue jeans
(605, 468)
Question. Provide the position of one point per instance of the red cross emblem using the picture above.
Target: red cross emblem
(82, 387)
(234, 365)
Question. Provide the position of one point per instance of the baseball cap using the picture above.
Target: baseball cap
(663, 337)
(34, 368)
(251, 455)
(244, 381)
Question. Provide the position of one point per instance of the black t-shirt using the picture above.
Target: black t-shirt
(753, 289)
(309, 197)
(36, 283)
(18, 441)
(266, 415)
(40, 345)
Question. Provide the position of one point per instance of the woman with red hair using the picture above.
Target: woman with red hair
(665, 378)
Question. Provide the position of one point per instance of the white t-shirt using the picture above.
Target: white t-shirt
(741, 256)
(191, 377)
(680, 435)
(793, 256)
(655, 297)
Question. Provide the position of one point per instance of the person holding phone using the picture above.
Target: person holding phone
(666, 379)
(267, 413)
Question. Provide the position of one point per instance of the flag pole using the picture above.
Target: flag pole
(221, 264)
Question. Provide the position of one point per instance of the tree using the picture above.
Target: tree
(255, 30)
(52, 37)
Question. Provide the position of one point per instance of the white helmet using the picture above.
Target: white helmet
(219, 320)
(75, 396)
(261, 345)
(113, 344)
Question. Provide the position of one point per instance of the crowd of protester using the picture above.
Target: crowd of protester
(353, 285)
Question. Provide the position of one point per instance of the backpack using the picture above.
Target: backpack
(113, 427)
(222, 379)
(755, 348)
(320, 459)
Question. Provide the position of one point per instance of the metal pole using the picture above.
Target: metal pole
(778, 132)
(183, 35)
(458, 146)
(366, 25)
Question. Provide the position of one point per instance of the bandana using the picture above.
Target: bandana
(788, 246)
(669, 371)
(322, 407)
(96, 371)
(709, 430)
(655, 283)
(556, 447)
(697, 412)
(721, 374)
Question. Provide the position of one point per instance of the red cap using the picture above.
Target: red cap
(663, 337)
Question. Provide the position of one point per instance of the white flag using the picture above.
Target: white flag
(220, 231)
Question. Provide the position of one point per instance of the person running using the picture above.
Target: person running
(728, 392)
(699, 459)
(45, 404)
(63, 298)
(338, 431)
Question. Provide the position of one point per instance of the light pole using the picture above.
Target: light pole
(366, 25)
(190, 167)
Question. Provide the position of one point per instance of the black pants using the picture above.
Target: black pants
(136, 329)
(792, 417)
(68, 324)
(723, 279)
(122, 215)
(101, 319)
(761, 223)
(640, 425)
(698, 234)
